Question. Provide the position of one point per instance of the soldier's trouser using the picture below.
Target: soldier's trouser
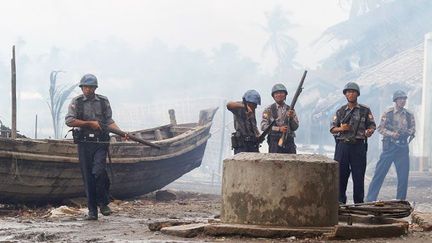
(400, 156)
(92, 157)
(248, 147)
(352, 159)
(289, 148)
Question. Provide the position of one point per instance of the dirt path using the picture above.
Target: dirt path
(130, 221)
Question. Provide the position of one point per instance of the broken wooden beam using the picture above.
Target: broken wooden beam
(186, 231)
(424, 220)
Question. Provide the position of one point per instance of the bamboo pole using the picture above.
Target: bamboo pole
(36, 127)
(14, 105)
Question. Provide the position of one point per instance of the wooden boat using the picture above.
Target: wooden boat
(46, 170)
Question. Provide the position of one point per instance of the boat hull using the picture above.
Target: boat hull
(48, 171)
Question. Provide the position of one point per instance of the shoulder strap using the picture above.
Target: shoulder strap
(80, 108)
(390, 116)
(408, 117)
(339, 113)
(274, 112)
(363, 113)
(104, 108)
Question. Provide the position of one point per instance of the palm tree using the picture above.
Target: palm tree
(280, 43)
(58, 96)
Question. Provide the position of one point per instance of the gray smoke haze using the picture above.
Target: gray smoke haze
(145, 52)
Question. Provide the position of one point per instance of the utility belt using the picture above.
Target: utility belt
(238, 140)
(351, 141)
(85, 135)
(387, 142)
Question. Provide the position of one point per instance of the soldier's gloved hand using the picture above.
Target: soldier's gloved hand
(94, 125)
(369, 132)
(345, 127)
(283, 129)
(290, 113)
(249, 109)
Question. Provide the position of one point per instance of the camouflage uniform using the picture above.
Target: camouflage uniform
(244, 139)
(92, 147)
(279, 113)
(351, 148)
(394, 151)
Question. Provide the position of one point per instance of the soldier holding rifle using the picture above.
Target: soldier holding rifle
(352, 124)
(286, 122)
(87, 112)
(398, 129)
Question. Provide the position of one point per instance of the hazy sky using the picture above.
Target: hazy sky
(197, 24)
(72, 28)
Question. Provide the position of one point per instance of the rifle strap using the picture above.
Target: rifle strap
(340, 112)
(274, 111)
(362, 113)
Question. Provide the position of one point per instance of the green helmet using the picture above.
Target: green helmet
(88, 80)
(399, 94)
(279, 87)
(351, 86)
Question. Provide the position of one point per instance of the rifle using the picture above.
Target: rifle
(348, 116)
(345, 120)
(265, 132)
(130, 136)
(283, 138)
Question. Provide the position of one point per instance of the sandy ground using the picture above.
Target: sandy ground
(130, 220)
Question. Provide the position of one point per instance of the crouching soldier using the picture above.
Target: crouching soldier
(244, 139)
(286, 122)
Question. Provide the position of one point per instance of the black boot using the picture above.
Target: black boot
(105, 210)
(91, 216)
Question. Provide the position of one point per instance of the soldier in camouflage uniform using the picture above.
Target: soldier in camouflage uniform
(398, 128)
(86, 112)
(244, 139)
(352, 124)
(286, 122)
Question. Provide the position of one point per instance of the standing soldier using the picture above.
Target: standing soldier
(398, 128)
(352, 124)
(286, 122)
(86, 112)
(244, 139)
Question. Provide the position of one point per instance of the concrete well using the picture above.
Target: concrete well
(280, 190)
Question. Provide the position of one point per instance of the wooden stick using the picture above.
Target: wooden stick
(14, 105)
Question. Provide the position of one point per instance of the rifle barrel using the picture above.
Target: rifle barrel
(284, 136)
(298, 91)
(132, 137)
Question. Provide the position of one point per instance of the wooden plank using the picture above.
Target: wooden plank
(264, 231)
(359, 231)
(186, 231)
